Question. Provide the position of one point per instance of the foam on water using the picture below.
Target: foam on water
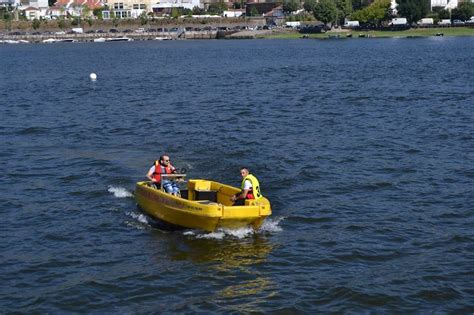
(138, 216)
(269, 225)
(139, 221)
(120, 192)
(272, 225)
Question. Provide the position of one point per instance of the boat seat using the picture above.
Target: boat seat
(208, 195)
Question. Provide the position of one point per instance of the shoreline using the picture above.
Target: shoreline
(410, 33)
(246, 34)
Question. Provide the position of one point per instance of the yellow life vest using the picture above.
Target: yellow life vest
(255, 185)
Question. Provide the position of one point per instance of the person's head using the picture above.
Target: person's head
(244, 171)
(164, 160)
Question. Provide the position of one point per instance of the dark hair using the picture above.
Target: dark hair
(245, 168)
(162, 157)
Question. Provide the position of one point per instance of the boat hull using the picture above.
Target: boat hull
(196, 212)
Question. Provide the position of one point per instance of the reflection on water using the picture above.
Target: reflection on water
(246, 296)
(224, 255)
(234, 265)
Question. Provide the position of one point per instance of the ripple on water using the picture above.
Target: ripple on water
(370, 179)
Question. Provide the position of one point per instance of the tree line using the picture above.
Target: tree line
(373, 13)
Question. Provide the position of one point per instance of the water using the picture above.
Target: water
(364, 147)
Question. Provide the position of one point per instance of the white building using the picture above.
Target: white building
(445, 4)
(169, 4)
(126, 9)
(10, 3)
(35, 9)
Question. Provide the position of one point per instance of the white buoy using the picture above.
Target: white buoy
(93, 76)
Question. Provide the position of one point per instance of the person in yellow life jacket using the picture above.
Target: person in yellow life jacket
(250, 188)
(163, 166)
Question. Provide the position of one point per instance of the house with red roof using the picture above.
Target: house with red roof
(32, 13)
(76, 7)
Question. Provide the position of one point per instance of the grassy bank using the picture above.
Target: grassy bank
(419, 32)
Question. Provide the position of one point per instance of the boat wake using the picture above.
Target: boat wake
(120, 192)
(268, 226)
(271, 225)
(139, 220)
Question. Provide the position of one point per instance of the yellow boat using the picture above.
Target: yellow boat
(204, 205)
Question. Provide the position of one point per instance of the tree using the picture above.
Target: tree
(291, 6)
(464, 11)
(443, 14)
(175, 13)
(98, 12)
(309, 5)
(143, 18)
(344, 9)
(35, 24)
(85, 11)
(325, 11)
(374, 14)
(115, 20)
(254, 11)
(198, 11)
(360, 4)
(61, 23)
(413, 10)
(76, 21)
(217, 8)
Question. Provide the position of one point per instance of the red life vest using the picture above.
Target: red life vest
(160, 169)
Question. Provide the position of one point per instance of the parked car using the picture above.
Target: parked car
(470, 21)
(458, 22)
(311, 29)
(113, 30)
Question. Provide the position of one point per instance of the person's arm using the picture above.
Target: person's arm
(149, 175)
(173, 169)
(243, 193)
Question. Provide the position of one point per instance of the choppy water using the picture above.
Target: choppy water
(364, 147)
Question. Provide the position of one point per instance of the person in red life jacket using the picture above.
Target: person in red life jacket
(163, 166)
(250, 188)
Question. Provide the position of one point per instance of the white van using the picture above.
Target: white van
(351, 24)
(398, 22)
(426, 21)
(445, 22)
